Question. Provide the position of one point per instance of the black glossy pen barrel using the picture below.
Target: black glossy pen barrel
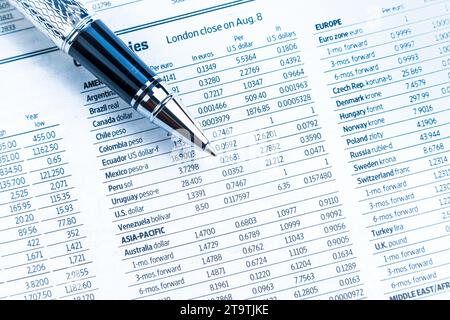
(99, 50)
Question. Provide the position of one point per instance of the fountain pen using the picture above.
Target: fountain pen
(90, 42)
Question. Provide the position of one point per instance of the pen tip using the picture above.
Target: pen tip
(210, 151)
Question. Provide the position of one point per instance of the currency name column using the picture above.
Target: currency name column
(388, 81)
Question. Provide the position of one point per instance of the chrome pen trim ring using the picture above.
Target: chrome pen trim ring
(145, 88)
(151, 115)
(80, 26)
(161, 105)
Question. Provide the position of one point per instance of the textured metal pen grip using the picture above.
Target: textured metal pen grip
(61, 20)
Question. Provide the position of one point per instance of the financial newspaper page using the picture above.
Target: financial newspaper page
(331, 125)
